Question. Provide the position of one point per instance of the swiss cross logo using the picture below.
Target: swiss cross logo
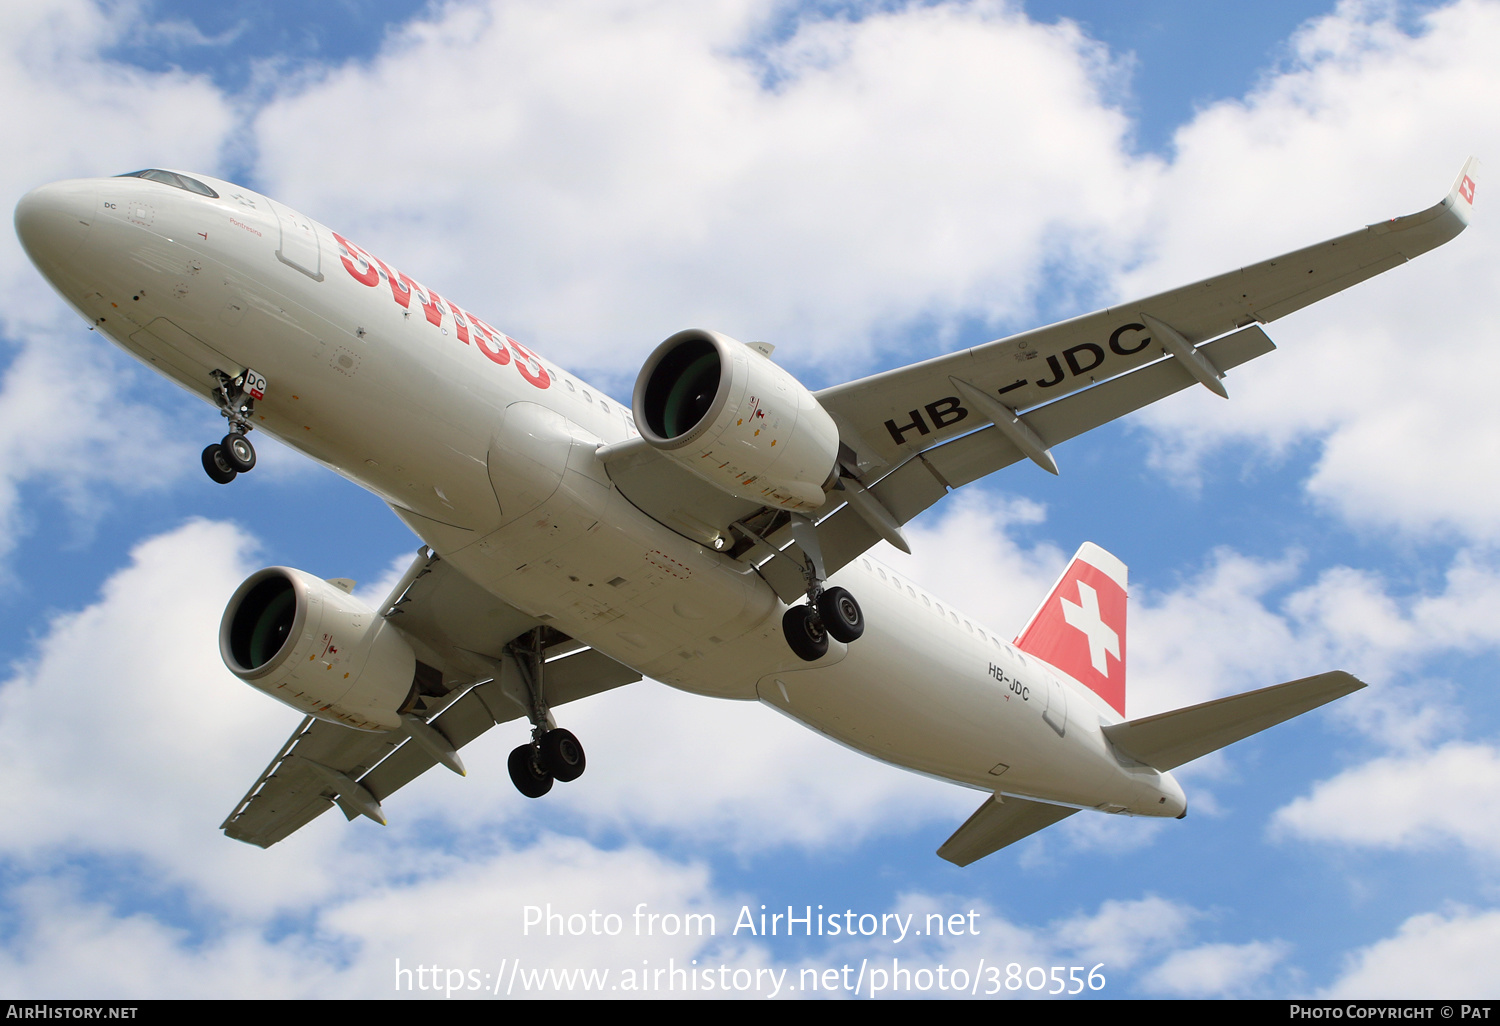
(1466, 189)
(1084, 616)
(1080, 629)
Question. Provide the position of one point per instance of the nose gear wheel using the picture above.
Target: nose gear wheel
(239, 452)
(236, 401)
(217, 464)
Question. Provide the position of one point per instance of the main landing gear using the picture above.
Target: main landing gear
(829, 613)
(832, 613)
(553, 753)
(235, 397)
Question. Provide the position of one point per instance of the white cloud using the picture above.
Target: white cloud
(1238, 623)
(1433, 955)
(436, 912)
(65, 945)
(605, 173)
(1122, 933)
(69, 417)
(1112, 940)
(1425, 800)
(74, 112)
(125, 735)
(71, 433)
(1392, 377)
(1216, 970)
(474, 912)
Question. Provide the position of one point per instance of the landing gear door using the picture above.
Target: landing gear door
(186, 357)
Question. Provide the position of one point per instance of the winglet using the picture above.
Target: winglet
(1461, 197)
(1430, 228)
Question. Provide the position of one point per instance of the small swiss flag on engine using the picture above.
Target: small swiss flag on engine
(1080, 628)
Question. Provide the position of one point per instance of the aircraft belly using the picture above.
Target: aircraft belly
(588, 562)
(916, 691)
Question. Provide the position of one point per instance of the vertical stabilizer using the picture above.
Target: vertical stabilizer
(1080, 628)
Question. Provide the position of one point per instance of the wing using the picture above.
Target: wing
(470, 683)
(909, 436)
(890, 417)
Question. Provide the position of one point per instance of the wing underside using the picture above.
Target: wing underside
(473, 681)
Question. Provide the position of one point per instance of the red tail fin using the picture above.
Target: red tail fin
(1080, 628)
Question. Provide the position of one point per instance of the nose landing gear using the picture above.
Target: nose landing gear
(236, 400)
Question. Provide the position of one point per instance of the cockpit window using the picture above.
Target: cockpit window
(173, 179)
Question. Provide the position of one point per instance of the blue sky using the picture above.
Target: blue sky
(863, 185)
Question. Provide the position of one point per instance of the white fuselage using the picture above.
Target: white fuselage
(489, 454)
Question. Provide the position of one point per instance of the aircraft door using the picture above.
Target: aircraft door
(299, 242)
(1056, 713)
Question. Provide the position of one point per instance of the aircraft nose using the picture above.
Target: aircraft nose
(52, 221)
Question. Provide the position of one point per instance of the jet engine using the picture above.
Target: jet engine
(737, 420)
(317, 648)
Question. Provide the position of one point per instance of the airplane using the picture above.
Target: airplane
(715, 535)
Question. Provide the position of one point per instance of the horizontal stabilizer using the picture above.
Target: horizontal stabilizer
(1167, 740)
(995, 824)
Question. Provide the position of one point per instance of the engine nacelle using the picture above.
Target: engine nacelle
(318, 649)
(737, 420)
